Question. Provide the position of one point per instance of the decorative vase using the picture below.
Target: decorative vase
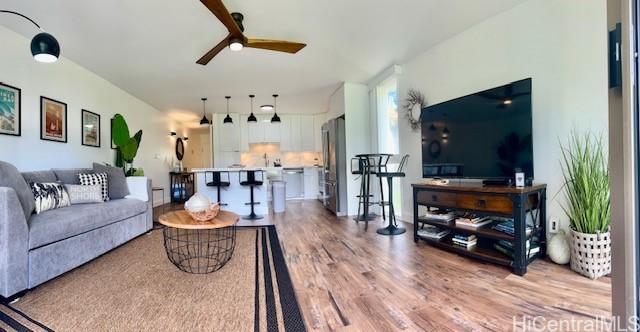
(558, 248)
(591, 254)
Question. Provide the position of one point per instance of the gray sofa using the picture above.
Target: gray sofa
(35, 248)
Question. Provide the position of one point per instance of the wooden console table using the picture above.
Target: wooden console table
(496, 201)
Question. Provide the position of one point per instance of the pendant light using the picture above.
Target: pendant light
(275, 117)
(228, 119)
(252, 118)
(44, 47)
(204, 121)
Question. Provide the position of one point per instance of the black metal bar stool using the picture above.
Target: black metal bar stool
(252, 181)
(217, 181)
(368, 164)
(392, 228)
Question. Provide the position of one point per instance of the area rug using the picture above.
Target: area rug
(136, 288)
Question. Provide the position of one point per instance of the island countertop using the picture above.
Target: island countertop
(228, 169)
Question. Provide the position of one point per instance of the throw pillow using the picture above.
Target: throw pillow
(117, 181)
(49, 196)
(97, 178)
(79, 194)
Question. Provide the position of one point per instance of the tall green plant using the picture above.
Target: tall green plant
(126, 147)
(586, 183)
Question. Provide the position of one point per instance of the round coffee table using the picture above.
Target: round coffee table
(199, 246)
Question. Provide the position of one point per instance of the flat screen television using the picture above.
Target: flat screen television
(485, 135)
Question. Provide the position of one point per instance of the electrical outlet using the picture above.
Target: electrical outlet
(554, 225)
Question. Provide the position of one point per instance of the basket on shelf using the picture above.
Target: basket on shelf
(200, 208)
(591, 254)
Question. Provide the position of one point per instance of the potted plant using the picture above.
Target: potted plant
(126, 147)
(588, 206)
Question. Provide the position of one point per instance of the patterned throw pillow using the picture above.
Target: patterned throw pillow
(79, 194)
(93, 179)
(49, 196)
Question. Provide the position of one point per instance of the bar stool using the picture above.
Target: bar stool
(251, 181)
(216, 181)
(392, 228)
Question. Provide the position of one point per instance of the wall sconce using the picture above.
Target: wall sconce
(172, 134)
(185, 138)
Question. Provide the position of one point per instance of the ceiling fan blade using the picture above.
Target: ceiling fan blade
(213, 52)
(275, 45)
(220, 11)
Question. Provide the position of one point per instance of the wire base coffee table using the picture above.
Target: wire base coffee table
(199, 246)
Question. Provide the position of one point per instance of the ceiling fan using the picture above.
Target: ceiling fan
(506, 99)
(236, 39)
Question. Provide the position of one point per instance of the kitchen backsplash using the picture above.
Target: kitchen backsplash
(255, 156)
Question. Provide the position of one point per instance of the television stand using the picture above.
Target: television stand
(514, 203)
(496, 182)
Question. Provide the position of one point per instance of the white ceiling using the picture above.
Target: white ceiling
(149, 47)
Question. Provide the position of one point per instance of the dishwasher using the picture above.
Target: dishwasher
(294, 179)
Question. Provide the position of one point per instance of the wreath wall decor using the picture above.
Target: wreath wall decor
(414, 99)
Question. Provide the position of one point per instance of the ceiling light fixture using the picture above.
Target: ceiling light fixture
(266, 108)
(252, 118)
(445, 133)
(228, 119)
(204, 121)
(236, 44)
(275, 118)
(44, 47)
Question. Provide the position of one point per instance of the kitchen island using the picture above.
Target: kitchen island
(235, 195)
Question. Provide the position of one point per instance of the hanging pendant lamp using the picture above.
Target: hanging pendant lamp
(227, 119)
(204, 121)
(275, 118)
(252, 118)
(44, 47)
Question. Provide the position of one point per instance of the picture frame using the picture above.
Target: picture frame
(90, 128)
(53, 120)
(10, 110)
(113, 146)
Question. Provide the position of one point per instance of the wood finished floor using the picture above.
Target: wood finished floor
(349, 279)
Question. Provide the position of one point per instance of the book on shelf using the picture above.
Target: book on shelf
(508, 244)
(433, 232)
(466, 245)
(508, 227)
(440, 215)
(509, 251)
(473, 223)
(464, 240)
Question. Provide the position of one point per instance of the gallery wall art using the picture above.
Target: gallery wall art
(53, 120)
(90, 129)
(10, 110)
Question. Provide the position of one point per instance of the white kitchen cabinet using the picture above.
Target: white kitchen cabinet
(307, 142)
(228, 134)
(272, 131)
(295, 133)
(285, 135)
(226, 159)
(244, 135)
(311, 189)
(318, 121)
(255, 132)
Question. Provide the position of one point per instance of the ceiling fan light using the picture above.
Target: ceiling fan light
(236, 44)
(275, 118)
(45, 48)
(227, 119)
(252, 118)
(266, 108)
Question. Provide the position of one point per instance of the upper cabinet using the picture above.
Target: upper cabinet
(295, 132)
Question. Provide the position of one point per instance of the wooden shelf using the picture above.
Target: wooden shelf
(483, 253)
(484, 231)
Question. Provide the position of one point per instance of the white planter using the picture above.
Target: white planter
(591, 254)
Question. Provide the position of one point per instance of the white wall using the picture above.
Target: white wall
(562, 45)
(79, 89)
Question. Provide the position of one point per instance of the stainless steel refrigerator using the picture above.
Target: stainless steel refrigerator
(335, 166)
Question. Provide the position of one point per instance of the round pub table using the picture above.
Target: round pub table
(199, 246)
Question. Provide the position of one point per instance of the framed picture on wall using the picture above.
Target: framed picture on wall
(90, 129)
(113, 146)
(10, 110)
(53, 120)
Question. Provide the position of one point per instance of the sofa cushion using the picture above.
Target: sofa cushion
(116, 183)
(59, 224)
(70, 176)
(39, 176)
(10, 177)
(49, 196)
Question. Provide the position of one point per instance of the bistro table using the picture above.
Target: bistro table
(370, 163)
(199, 246)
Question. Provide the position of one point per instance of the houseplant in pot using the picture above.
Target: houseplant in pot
(126, 147)
(586, 186)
